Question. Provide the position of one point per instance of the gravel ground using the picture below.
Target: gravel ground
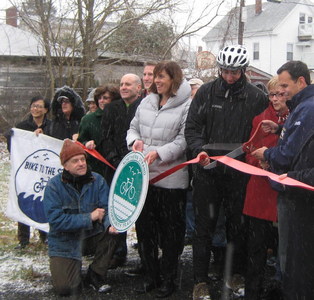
(24, 275)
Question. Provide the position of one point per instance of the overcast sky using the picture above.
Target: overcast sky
(195, 41)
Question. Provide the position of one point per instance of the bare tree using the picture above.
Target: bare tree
(195, 20)
(76, 34)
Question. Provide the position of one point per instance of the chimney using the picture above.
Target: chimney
(11, 16)
(258, 7)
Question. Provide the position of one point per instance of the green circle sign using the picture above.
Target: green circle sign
(128, 191)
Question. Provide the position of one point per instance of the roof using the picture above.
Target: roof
(271, 16)
(18, 42)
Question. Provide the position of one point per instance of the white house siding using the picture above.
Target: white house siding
(273, 44)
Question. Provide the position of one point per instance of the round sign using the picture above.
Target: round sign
(128, 191)
(205, 60)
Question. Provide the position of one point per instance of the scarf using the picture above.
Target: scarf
(235, 88)
(80, 181)
(282, 117)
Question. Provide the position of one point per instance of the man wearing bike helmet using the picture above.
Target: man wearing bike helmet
(221, 112)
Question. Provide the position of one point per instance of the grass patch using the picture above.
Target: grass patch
(8, 239)
(28, 274)
(8, 234)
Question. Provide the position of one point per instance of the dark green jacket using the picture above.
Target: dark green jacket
(90, 130)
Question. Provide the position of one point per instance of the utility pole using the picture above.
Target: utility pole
(241, 24)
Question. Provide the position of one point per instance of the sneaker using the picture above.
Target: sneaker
(97, 282)
(236, 283)
(201, 291)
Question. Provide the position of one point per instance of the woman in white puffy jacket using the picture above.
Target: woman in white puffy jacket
(157, 130)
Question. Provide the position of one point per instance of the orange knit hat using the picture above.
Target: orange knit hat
(70, 149)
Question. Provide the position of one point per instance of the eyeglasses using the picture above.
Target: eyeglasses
(63, 99)
(104, 97)
(38, 106)
(271, 95)
(231, 73)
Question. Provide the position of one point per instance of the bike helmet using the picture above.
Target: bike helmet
(233, 58)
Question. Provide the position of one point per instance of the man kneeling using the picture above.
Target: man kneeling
(75, 204)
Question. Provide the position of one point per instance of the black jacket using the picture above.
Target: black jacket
(221, 115)
(62, 128)
(28, 125)
(115, 122)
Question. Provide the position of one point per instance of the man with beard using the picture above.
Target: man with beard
(222, 111)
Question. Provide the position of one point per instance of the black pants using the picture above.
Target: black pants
(211, 188)
(298, 278)
(23, 233)
(260, 233)
(66, 272)
(161, 224)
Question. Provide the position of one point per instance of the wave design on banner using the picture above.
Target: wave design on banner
(31, 179)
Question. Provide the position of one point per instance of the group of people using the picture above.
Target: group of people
(171, 121)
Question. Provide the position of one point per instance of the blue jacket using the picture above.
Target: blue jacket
(295, 136)
(69, 214)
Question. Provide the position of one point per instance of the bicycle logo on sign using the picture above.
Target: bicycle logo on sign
(39, 186)
(127, 188)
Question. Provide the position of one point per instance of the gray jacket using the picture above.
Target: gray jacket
(163, 130)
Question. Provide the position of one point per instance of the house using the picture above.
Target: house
(274, 33)
(24, 74)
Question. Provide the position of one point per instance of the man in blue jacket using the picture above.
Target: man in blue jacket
(75, 205)
(293, 156)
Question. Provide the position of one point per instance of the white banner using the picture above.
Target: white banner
(34, 161)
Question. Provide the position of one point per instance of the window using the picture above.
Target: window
(255, 51)
(289, 51)
(310, 19)
(302, 18)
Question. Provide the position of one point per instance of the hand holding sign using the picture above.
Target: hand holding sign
(138, 146)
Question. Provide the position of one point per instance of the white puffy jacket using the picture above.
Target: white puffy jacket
(163, 130)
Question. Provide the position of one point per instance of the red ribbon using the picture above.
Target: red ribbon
(231, 162)
(176, 168)
(96, 154)
(252, 170)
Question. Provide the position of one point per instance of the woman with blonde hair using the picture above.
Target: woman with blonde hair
(261, 200)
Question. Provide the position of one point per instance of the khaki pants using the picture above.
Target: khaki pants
(66, 272)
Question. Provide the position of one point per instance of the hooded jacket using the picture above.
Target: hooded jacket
(62, 128)
(163, 130)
